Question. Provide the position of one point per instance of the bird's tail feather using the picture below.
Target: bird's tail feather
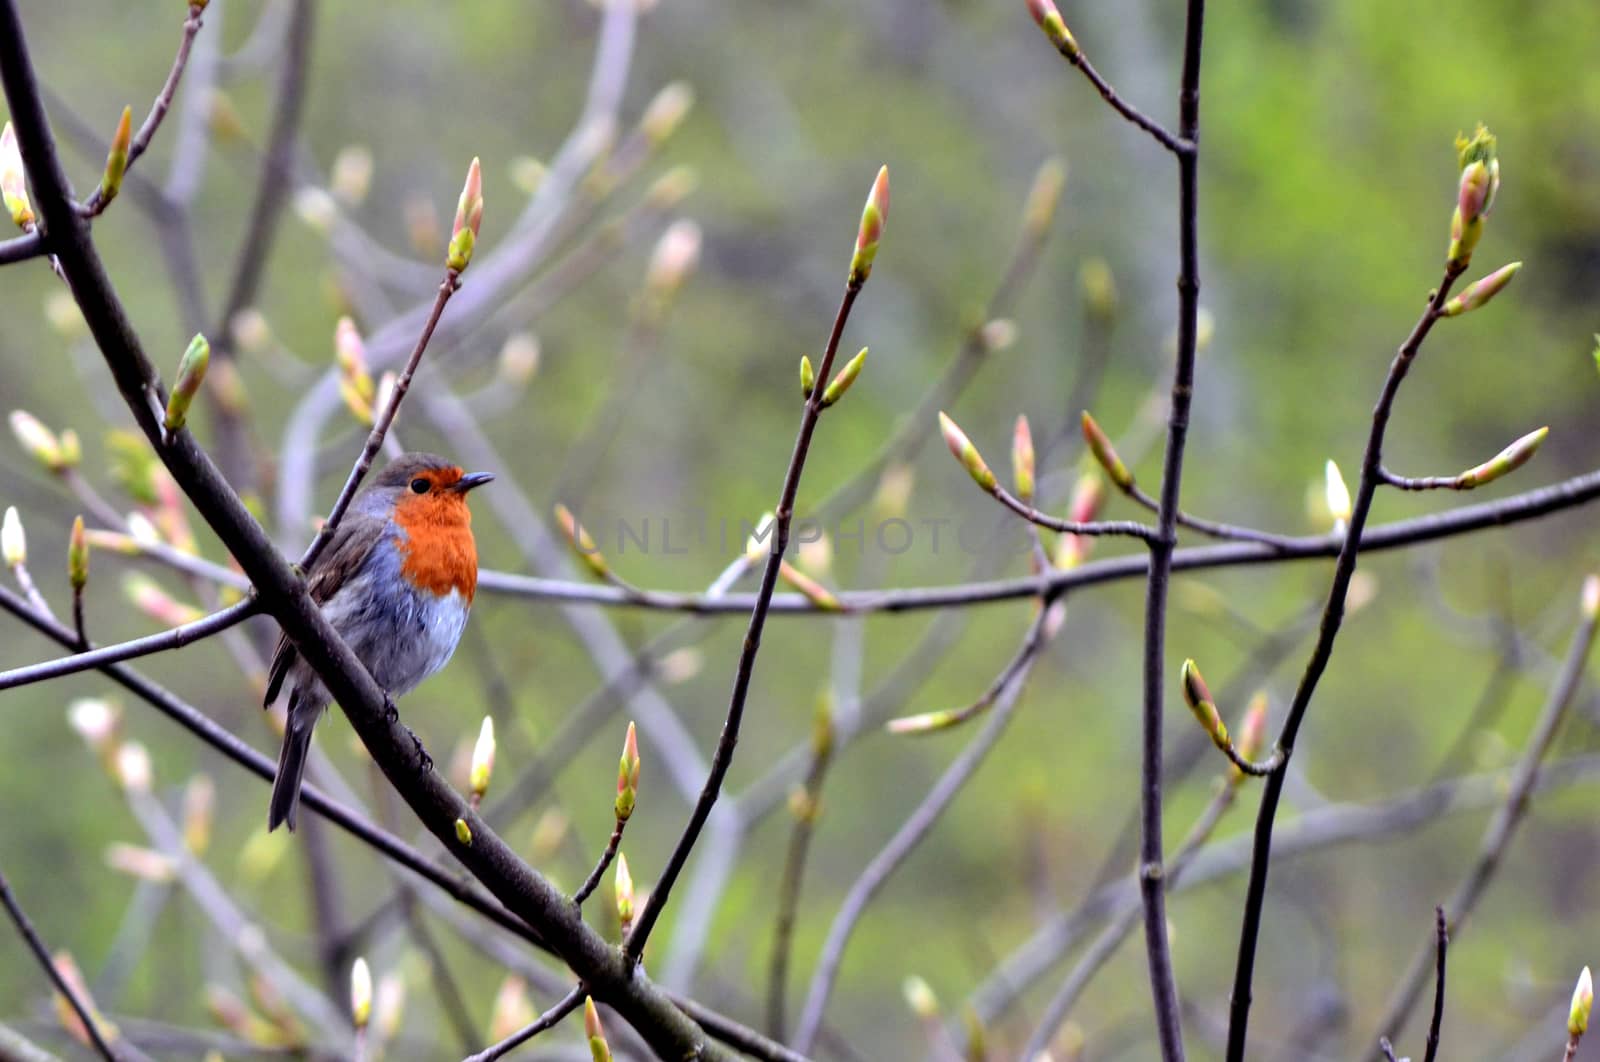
(291, 769)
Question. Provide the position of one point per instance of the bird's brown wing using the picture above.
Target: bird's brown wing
(343, 556)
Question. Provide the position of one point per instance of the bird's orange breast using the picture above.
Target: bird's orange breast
(438, 553)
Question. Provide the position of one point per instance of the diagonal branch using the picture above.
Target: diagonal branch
(31, 937)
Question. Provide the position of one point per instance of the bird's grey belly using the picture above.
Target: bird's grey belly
(403, 635)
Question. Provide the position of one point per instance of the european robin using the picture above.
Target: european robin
(396, 581)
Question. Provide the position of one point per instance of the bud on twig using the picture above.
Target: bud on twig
(628, 775)
(132, 767)
(843, 379)
(967, 454)
(1044, 195)
(1049, 19)
(199, 810)
(1582, 1004)
(14, 179)
(666, 111)
(997, 334)
(1479, 292)
(920, 997)
(675, 256)
(37, 441)
(191, 374)
(13, 540)
(873, 217)
(808, 376)
(1022, 459)
(116, 158)
(469, 215)
(1100, 446)
(351, 177)
(1337, 495)
(598, 1048)
(1099, 288)
(482, 761)
(78, 556)
(464, 833)
(1480, 182)
(813, 591)
(148, 597)
(1591, 597)
(360, 993)
(1511, 458)
(1198, 697)
(581, 542)
(624, 886)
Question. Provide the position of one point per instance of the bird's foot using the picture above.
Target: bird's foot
(391, 714)
(424, 761)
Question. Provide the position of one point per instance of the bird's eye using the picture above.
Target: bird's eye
(419, 485)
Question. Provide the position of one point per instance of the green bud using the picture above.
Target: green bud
(191, 374)
(873, 217)
(808, 377)
(78, 556)
(843, 379)
(1479, 292)
(967, 454)
(1105, 454)
(1022, 459)
(117, 158)
(1508, 460)
(464, 833)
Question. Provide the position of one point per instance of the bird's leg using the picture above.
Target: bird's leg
(391, 714)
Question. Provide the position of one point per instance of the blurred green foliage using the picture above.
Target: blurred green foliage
(1327, 185)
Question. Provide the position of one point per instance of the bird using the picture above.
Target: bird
(396, 580)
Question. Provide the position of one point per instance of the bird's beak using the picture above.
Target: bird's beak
(471, 480)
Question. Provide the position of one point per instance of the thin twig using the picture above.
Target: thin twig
(1399, 534)
(592, 882)
(1503, 825)
(1175, 144)
(548, 1020)
(380, 427)
(1072, 527)
(158, 110)
(30, 936)
(732, 1033)
(1110, 938)
(94, 659)
(1442, 945)
(1322, 652)
(1158, 952)
(723, 758)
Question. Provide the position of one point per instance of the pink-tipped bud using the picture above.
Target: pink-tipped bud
(1022, 459)
(350, 352)
(1088, 497)
(469, 216)
(582, 542)
(628, 775)
(843, 379)
(512, 1009)
(1100, 445)
(1582, 1004)
(14, 179)
(37, 441)
(967, 454)
(148, 597)
(598, 1048)
(117, 158)
(1198, 697)
(1473, 193)
(66, 1013)
(809, 588)
(360, 993)
(1511, 458)
(1479, 292)
(1049, 19)
(624, 888)
(131, 766)
(482, 760)
(675, 256)
(78, 556)
(873, 217)
(1252, 732)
